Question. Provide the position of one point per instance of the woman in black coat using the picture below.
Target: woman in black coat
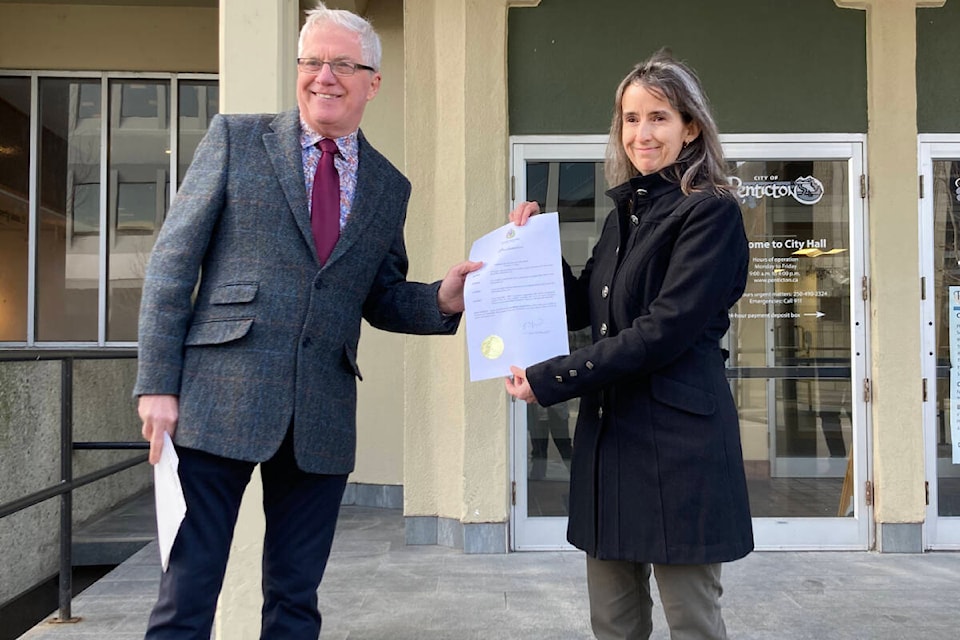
(657, 478)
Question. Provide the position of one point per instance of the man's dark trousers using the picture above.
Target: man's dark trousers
(301, 515)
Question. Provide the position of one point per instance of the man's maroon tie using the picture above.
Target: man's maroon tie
(325, 202)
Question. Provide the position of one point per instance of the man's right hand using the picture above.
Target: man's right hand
(159, 413)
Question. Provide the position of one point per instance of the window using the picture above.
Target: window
(14, 196)
(85, 208)
(103, 175)
(199, 102)
(137, 206)
(89, 100)
(140, 100)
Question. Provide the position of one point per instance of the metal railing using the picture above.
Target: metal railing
(64, 489)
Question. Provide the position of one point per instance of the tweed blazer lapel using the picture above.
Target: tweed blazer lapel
(371, 190)
(283, 149)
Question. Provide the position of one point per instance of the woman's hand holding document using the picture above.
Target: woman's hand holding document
(515, 310)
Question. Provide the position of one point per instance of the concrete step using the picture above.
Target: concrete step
(118, 534)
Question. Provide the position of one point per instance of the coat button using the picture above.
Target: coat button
(641, 192)
(605, 291)
(318, 285)
(588, 364)
(634, 219)
(559, 378)
(603, 328)
(572, 373)
(306, 342)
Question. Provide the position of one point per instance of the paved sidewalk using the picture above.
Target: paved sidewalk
(376, 588)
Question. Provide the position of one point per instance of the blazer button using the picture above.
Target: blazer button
(318, 285)
(605, 291)
(603, 328)
(306, 342)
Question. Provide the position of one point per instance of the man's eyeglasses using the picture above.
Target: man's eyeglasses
(338, 67)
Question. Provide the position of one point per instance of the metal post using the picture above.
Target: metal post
(66, 500)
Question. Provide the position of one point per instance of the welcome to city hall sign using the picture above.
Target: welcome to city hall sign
(805, 189)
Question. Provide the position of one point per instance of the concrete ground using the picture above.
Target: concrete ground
(377, 588)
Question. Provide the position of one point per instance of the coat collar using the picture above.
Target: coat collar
(654, 186)
(283, 148)
(368, 198)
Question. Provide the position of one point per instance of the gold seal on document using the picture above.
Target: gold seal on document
(492, 347)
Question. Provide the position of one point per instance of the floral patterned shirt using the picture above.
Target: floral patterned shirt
(346, 163)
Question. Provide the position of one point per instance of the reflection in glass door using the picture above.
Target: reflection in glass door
(940, 256)
(797, 357)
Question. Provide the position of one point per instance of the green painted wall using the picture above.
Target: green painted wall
(938, 72)
(768, 66)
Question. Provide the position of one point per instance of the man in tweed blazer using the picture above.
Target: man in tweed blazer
(261, 366)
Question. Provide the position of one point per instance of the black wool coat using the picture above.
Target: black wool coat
(657, 471)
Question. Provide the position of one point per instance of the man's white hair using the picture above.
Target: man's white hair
(369, 40)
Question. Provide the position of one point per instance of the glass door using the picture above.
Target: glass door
(565, 176)
(940, 268)
(797, 338)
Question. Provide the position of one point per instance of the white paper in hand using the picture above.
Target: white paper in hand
(171, 506)
(515, 308)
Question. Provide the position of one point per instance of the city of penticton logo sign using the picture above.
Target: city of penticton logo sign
(805, 190)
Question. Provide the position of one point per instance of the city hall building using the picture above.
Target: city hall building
(840, 120)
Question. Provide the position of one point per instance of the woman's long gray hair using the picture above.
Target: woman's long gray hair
(700, 165)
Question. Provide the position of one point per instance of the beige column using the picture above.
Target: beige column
(892, 169)
(258, 48)
(456, 432)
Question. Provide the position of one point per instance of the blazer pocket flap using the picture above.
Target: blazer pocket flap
(218, 331)
(682, 396)
(234, 292)
(350, 358)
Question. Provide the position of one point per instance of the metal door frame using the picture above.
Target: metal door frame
(939, 532)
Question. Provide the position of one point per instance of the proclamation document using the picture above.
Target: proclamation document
(515, 310)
